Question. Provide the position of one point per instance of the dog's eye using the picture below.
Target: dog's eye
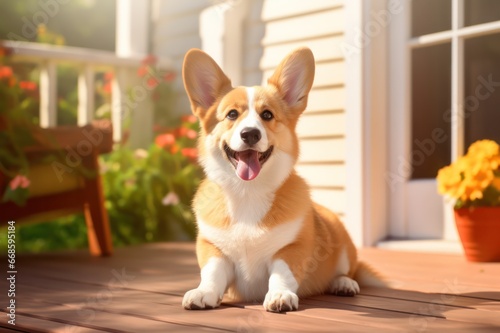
(232, 115)
(267, 115)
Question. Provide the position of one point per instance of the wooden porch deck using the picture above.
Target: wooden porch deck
(139, 289)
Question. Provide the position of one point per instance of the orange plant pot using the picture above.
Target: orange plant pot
(479, 230)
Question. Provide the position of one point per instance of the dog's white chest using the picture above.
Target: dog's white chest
(251, 248)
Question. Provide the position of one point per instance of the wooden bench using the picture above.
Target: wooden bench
(59, 188)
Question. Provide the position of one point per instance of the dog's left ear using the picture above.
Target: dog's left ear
(294, 77)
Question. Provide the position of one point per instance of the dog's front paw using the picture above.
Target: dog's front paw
(281, 301)
(197, 299)
(344, 286)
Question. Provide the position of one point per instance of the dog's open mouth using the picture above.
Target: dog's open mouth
(247, 163)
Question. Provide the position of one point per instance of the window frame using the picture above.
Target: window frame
(401, 221)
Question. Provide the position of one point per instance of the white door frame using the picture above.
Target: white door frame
(415, 208)
(365, 52)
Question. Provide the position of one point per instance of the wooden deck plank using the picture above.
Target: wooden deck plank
(383, 317)
(131, 301)
(444, 268)
(151, 306)
(37, 325)
(478, 303)
(76, 319)
(410, 307)
(387, 321)
(140, 288)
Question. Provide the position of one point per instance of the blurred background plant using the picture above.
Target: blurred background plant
(148, 191)
(18, 100)
(95, 30)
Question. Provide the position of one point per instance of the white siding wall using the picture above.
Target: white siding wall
(272, 29)
(176, 30)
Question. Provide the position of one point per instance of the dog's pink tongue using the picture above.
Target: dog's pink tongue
(248, 164)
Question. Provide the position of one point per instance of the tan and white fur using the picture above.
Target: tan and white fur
(260, 236)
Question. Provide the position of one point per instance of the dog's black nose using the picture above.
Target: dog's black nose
(250, 135)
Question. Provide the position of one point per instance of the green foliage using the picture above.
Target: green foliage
(490, 198)
(68, 232)
(148, 196)
(67, 81)
(17, 195)
(148, 192)
(83, 23)
(17, 99)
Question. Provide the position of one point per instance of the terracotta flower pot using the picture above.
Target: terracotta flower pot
(479, 230)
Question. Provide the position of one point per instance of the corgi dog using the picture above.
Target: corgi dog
(260, 236)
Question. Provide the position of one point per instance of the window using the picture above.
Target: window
(444, 94)
(455, 79)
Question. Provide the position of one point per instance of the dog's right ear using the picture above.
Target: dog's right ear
(204, 81)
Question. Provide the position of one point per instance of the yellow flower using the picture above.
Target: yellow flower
(495, 162)
(476, 194)
(448, 180)
(483, 175)
(471, 175)
(496, 183)
(487, 148)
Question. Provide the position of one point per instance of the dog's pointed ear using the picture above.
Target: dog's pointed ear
(294, 77)
(204, 81)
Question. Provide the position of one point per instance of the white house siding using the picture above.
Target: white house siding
(272, 29)
(175, 30)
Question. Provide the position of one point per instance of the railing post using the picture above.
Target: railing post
(86, 95)
(118, 107)
(48, 94)
(132, 35)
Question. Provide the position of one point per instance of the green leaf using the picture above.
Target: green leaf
(19, 196)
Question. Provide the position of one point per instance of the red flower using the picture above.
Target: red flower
(165, 140)
(107, 87)
(27, 85)
(19, 181)
(189, 119)
(150, 60)
(180, 131)
(191, 153)
(142, 71)
(187, 132)
(174, 149)
(5, 72)
(108, 76)
(191, 134)
(169, 77)
(152, 82)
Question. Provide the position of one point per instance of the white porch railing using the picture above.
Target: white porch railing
(88, 61)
